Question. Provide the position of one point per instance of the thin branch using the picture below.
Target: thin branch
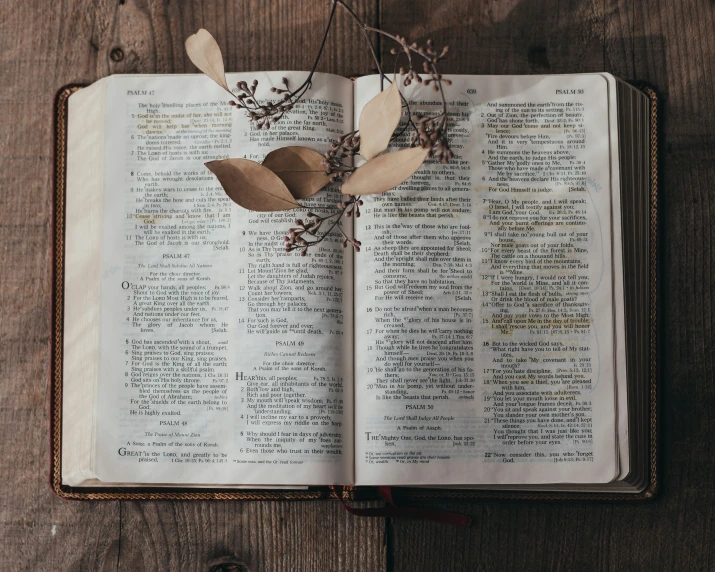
(429, 132)
(307, 82)
(366, 32)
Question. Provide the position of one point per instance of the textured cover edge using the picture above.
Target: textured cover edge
(313, 493)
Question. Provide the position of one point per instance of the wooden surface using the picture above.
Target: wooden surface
(668, 43)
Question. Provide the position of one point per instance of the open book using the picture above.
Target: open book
(493, 333)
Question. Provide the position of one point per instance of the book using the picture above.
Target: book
(495, 336)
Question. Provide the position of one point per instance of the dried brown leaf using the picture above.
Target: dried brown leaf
(385, 172)
(300, 168)
(205, 54)
(252, 186)
(378, 121)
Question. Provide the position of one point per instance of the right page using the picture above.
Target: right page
(484, 304)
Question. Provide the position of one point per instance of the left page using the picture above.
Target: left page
(222, 357)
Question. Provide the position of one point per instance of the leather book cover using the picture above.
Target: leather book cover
(314, 493)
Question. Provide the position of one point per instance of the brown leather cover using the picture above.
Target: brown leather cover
(313, 493)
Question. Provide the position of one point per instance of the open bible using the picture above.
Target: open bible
(494, 333)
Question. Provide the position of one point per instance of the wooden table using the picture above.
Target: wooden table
(669, 43)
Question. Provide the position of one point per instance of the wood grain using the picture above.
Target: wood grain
(669, 44)
(665, 42)
(45, 46)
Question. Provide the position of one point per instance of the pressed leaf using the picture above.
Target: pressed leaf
(385, 172)
(300, 168)
(378, 121)
(252, 186)
(205, 54)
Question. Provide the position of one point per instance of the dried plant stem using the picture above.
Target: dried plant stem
(263, 114)
(366, 31)
(428, 132)
(306, 84)
(408, 51)
(297, 237)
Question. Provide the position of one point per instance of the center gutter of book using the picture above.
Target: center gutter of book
(407, 279)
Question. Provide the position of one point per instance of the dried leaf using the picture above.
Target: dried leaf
(385, 172)
(205, 54)
(300, 168)
(252, 186)
(378, 121)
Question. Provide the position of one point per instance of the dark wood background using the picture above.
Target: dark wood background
(669, 43)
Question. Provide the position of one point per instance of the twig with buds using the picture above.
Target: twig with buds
(428, 132)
